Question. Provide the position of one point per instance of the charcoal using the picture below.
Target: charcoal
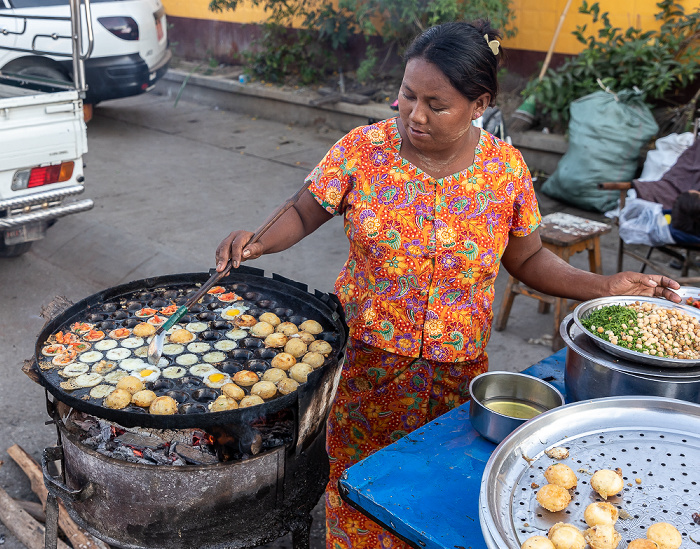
(140, 441)
(193, 455)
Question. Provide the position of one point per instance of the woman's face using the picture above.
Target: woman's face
(434, 114)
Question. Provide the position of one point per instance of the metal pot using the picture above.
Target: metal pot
(590, 372)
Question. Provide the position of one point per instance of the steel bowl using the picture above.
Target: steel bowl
(585, 309)
(493, 387)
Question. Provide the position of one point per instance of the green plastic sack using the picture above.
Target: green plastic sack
(606, 134)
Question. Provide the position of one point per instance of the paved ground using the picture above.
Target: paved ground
(168, 184)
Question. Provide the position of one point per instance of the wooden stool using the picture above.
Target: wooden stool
(565, 235)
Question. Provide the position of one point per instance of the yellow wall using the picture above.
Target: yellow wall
(536, 20)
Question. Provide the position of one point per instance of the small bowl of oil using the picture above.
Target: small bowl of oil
(503, 401)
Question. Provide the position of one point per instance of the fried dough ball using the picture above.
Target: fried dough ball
(561, 475)
(143, 398)
(602, 536)
(287, 385)
(270, 318)
(245, 378)
(276, 340)
(181, 336)
(250, 400)
(642, 543)
(163, 406)
(606, 482)
(245, 321)
(223, 403)
(300, 372)
(296, 347)
(283, 361)
(264, 389)
(558, 452)
(144, 329)
(274, 374)
(600, 512)
(665, 535)
(117, 399)
(537, 542)
(233, 391)
(320, 346)
(566, 536)
(262, 329)
(553, 497)
(131, 384)
(311, 326)
(306, 337)
(315, 360)
(287, 328)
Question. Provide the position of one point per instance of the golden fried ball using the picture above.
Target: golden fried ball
(553, 497)
(566, 536)
(287, 385)
(117, 399)
(602, 536)
(296, 347)
(262, 329)
(283, 361)
(232, 390)
(300, 372)
(131, 384)
(642, 543)
(223, 403)
(270, 318)
(245, 378)
(315, 360)
(600, 512)
(311, 326)
(306, 337)
(250, 400)
(287, 328)
(144, 329)
(274, 374)
(245, 321)
(163, 406)
(665, 535)
(537, 542)
(143, 398)
(264, 389)
(320, 346)
(561, 475)
(606, 482)
(181, 336)
(276, 340)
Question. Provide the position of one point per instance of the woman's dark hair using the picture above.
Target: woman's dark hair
(685, 215)
(463, 55)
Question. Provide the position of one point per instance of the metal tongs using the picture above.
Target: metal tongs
(155, 348)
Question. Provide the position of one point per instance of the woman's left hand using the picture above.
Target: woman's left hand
(631, 283)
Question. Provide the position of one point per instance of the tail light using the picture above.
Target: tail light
(121, 27)
(43, 175)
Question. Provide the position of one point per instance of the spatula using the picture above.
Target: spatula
(155, 348)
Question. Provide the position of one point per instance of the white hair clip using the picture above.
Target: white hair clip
(493, 44)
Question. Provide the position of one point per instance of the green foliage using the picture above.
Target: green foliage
(395, 21)
(659, 63)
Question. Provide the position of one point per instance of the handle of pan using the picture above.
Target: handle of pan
(54, 485)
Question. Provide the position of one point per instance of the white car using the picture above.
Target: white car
(130, 50)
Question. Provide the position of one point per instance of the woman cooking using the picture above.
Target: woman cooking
(432, 207)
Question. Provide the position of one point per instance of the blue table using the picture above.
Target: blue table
(425, 487)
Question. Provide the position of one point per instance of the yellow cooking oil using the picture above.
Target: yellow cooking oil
(519, 409)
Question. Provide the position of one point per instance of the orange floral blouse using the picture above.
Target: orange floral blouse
(424, 252)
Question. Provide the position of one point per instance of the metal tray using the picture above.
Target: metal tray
(688, 291)
(654, 439)
(584, 309)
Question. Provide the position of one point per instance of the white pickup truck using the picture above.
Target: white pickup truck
(43, 138)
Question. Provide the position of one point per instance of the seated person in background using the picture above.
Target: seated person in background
(685, 215)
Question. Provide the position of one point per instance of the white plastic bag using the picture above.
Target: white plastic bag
(667, 151)
(643, 222)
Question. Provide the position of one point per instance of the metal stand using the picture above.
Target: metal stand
(301, 532)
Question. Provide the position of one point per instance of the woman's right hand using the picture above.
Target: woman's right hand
(234, 247)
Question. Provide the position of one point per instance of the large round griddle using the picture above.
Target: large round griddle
(290, 300)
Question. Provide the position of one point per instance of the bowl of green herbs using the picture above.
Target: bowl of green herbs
(644, 330)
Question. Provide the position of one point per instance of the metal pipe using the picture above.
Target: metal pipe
(44, 215)
(76, 38)
(41, 197)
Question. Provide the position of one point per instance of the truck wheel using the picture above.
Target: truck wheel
(14, 250)
(42, 71)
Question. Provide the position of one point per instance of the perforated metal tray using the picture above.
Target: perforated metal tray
(653, 439)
